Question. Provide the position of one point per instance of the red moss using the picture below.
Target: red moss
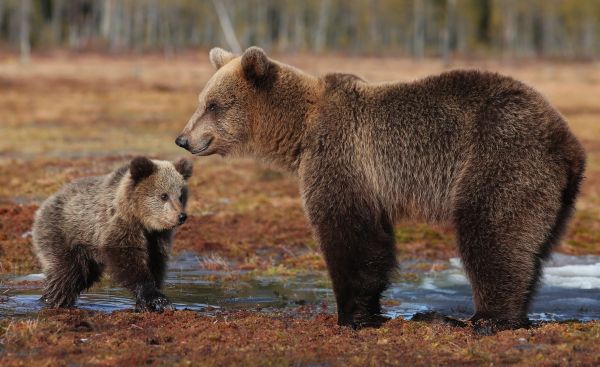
(298, 338)
(15, 240)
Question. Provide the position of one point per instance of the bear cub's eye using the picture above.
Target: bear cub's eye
(164, 197)
(212, 106)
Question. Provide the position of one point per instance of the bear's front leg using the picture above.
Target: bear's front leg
(357, 240)
(130, 266)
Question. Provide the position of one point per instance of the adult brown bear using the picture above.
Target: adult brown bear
(481, 151)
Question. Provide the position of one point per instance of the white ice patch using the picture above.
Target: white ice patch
(573, 276)
(455, 262)
(457, 279)
(569, 290)
(578, 272)
(30, 278)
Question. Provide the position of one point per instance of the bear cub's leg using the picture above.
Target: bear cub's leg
(71, 272)
(133, 268)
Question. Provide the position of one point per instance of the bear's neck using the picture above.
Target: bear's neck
(278, 131)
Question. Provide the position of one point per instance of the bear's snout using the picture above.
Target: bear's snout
(182, 141)
(181, 218)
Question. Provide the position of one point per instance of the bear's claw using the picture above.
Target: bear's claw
(488, 326)
(437, 317)
(374, 321)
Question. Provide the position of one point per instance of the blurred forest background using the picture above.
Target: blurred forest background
(557, 29)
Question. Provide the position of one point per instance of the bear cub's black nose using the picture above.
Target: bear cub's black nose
(182, 217)
(182, 141)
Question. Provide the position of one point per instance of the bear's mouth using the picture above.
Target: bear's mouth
(204, 147)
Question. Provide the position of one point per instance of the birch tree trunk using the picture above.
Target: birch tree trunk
(589, 30)
(227, 27)
(299, 26)
(449, 32)
(548, 30)
(152, 12)
(419, 29)
(321, 32)
(283, 31)
(24, 30)
(57, 12)
(509, 32)
(2, 6)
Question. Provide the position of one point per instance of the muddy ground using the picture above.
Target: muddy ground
(66, 116)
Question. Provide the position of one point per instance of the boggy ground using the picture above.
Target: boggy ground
(66, 116)
(295, 338)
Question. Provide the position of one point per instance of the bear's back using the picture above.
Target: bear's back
(463, 104)
(403, 136)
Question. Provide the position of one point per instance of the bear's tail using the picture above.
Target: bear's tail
(575, 174)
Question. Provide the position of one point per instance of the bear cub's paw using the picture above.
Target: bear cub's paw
(151, 299)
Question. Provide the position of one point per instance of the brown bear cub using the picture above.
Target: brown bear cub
(481, 151)
(122, 222)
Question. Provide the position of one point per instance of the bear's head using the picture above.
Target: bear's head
(248, 105)
(157, 192)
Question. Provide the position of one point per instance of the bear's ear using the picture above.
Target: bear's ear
(256, 65)
(219, 57)
(185, 167)
(140, 168)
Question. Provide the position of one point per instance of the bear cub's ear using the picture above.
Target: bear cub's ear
(219, 57)
(140, 168)
(256, 65)
(185, 167)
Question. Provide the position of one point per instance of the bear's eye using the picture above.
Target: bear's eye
(212, 106)
(164, 197)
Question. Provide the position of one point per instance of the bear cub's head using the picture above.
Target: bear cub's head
(157, 193)
(229, 103)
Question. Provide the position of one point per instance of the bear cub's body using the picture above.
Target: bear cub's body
(122, 222)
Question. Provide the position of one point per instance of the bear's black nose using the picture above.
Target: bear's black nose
(182, 217)
(182, 141)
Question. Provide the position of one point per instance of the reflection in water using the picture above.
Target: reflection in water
(570, 290)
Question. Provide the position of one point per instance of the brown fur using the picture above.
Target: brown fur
(123, 222)
(475, 149)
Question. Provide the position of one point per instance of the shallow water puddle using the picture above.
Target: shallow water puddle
(570, 290)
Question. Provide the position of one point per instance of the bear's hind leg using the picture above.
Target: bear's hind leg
(503, 279)
(502, 253)
(70, 273)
